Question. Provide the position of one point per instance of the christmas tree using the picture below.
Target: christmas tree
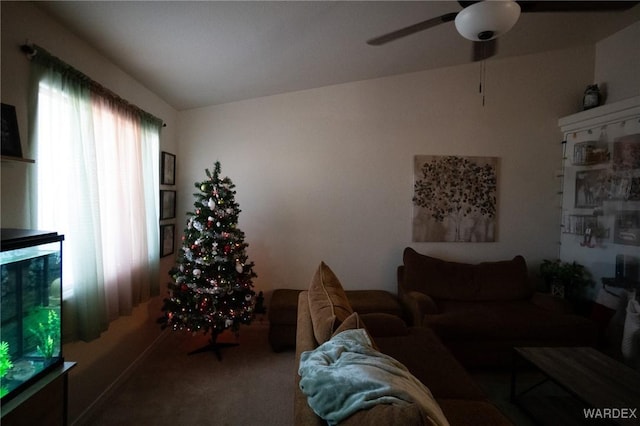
(212, 288)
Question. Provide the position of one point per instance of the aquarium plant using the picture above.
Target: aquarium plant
(47, 334)
(5, 365)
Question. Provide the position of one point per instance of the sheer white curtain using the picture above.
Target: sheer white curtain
(96, 183)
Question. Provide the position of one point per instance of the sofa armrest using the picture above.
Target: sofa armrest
(551, 303)
(305, 341)
(384, 325)
(418, 305)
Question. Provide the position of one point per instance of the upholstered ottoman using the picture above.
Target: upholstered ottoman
(283, 312)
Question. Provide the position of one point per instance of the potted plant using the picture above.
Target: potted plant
(564, 279)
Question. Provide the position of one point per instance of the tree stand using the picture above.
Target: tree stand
(213, 346)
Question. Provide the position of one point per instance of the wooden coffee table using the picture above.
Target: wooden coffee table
(595, 385)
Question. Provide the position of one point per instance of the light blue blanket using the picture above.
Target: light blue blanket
(346, 374)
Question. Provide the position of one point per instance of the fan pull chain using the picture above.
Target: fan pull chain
(483, 74)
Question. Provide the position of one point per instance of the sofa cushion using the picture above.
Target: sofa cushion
(389, 414)
(502, 280)
(345, 375)
(464, 412)
(378, 301)
(351, 322)
(354, 321)
(328, 303)
(422, 352)
(438, 278)
(383, 325)
(445, 280)
(513, 320)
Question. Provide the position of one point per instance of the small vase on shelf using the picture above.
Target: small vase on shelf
(592, 97)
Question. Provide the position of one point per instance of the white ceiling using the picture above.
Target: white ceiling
(194, 54)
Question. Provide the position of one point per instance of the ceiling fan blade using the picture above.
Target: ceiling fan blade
(567, 6)
(484, 49)
(412, 29)
(575, 6)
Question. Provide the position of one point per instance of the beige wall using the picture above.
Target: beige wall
(103, 360)
(326, 174)
(617, 68)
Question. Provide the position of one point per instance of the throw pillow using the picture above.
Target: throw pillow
(328, 303)
(503, 280)
(354, 321)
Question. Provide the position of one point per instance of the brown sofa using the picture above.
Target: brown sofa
(324, 310)
(283, 312)
(481, 311)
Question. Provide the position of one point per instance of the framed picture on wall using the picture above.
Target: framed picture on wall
(168, 169)
(167, 239)
(167, 204)
(441, 191)
(10, 136)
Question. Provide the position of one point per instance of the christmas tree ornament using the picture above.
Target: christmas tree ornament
(211, 289)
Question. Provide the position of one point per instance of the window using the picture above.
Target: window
(96, 183)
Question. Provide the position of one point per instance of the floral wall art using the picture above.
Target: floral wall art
(454, 198)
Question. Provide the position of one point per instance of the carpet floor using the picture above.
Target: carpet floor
(252, 385)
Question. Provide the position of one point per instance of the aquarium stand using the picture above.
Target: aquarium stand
(44, 402)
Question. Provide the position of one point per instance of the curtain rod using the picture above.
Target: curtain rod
(31, 51)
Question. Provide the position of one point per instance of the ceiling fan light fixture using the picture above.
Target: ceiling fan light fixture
(487, 19)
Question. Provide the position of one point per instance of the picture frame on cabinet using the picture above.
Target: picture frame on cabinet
(591, 188)
(620, 188)
(634, 189)
(168, 169)
(626, 152)
(167, 239)
(10, 139)
(627, 228)
(589, 153)
(167, 204)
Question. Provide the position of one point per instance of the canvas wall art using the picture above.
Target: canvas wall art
(454, 199)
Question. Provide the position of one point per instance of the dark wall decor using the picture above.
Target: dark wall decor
(167, 239)
(10, 135)
(167, 204)
(168, 169)
(454, 198)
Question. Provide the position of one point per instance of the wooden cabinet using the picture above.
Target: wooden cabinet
(44, 403)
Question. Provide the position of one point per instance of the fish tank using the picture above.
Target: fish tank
(31, 302)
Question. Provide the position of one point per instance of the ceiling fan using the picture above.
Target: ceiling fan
(484, 21)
